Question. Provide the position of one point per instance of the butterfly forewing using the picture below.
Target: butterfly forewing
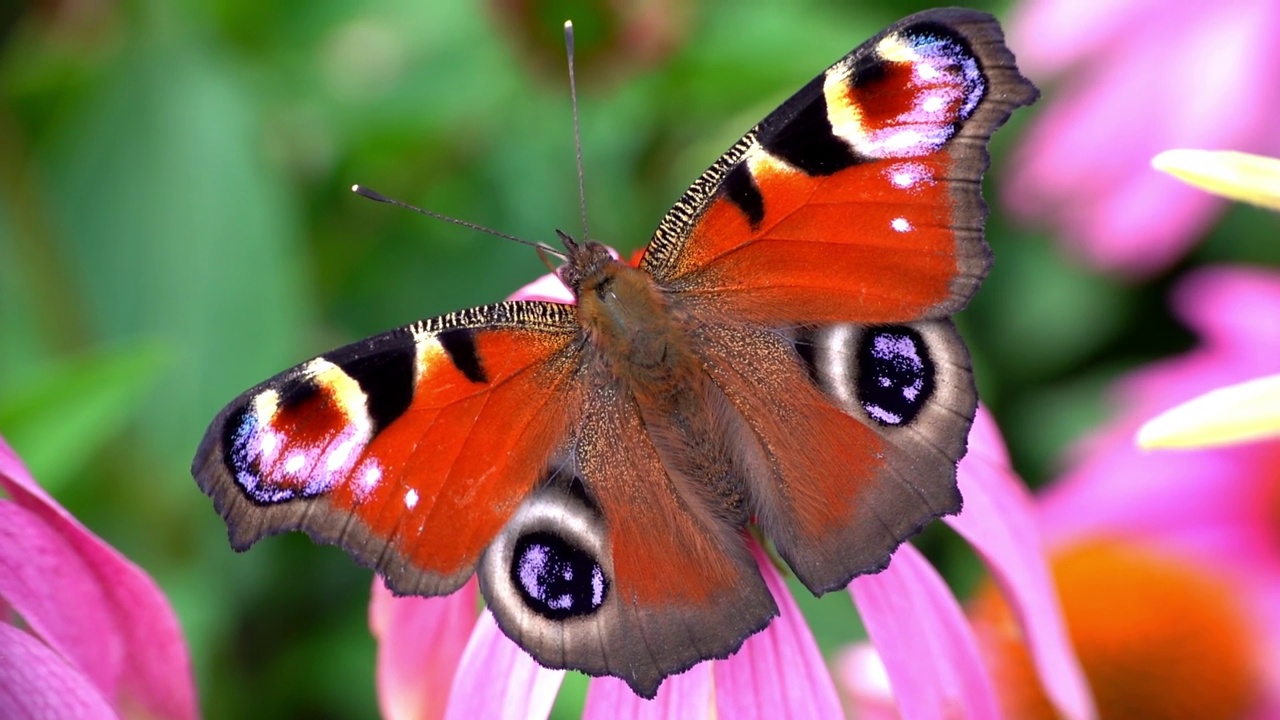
(383, 446)
(858, 199)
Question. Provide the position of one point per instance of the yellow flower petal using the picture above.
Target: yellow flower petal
(1226, 416)
(1236, 175)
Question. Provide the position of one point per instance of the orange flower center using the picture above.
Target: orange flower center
(1157, 638)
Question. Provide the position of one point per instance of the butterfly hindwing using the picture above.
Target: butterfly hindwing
(379, 447)
(666, 584)
(857, 429)
(858, 199)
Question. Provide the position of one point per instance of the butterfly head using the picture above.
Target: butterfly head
(586, 263)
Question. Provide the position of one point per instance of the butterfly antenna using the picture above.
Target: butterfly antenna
(379, 197)
(577, 131)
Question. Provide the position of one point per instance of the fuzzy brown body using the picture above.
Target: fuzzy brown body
(639, 338)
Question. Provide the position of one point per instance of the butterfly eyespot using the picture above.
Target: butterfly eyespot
(555, 578)
(551, 561)
(895, 376)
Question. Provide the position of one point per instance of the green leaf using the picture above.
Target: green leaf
(58, 420)
(182, 230)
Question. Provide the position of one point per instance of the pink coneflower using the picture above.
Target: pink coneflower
(436, 659)
(1133, 78)
(84, 633)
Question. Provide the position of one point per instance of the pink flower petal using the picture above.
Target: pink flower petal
(1049, 35)
(927, 645)
(154, 670)
(779, 671)
(1237, 308)
(690, 694)
(1083, 166)
(999, 521)
(420, 644)
(862, 674)
(37, 684)
(496, 679)
(50, 586)
(547, 288)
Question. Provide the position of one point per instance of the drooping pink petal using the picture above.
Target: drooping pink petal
(779, 672)
(37, 684)
(927, 645)
(497, 679)
(420, 644)
(50, 586)
(690, 694)
(999, 521)
(154, 670)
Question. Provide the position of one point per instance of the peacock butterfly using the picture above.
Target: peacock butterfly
(782, 355)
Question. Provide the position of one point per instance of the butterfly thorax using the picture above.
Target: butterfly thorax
(626, 317)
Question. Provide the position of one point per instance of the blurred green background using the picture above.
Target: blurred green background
(176, 225)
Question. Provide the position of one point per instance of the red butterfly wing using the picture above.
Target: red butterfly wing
(858, 199)
(380, 447)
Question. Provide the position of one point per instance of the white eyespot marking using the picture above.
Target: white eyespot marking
(340, 454)
(411, 498)
(900, 224)
(833, 363)
(597, 586)
(933, 104)
(908, 175)
(902, 141)
(371, 476)
(294, 463)
(268, 443)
